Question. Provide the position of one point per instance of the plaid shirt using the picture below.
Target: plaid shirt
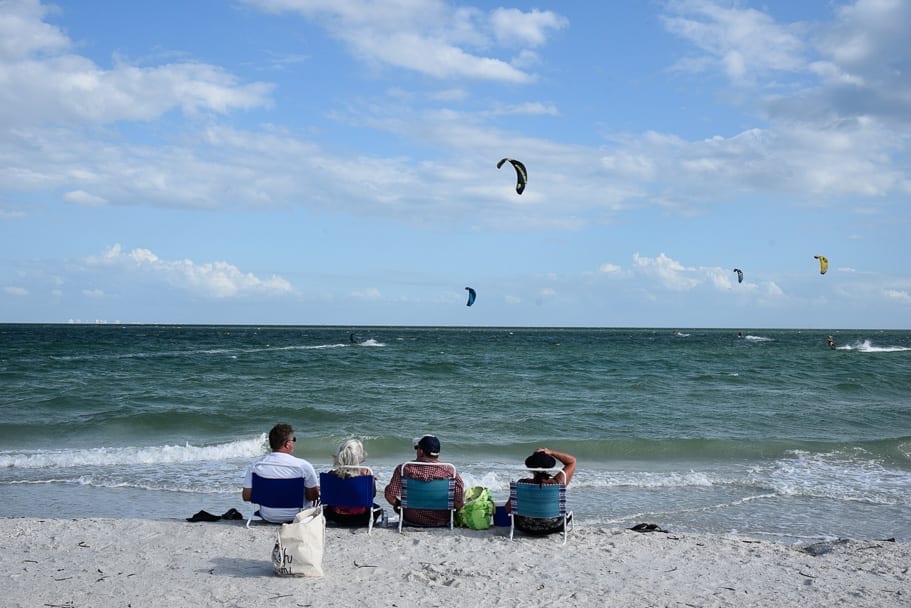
(425, 517)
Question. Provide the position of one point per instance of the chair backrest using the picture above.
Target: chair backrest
(354, 491)
(531, 499)
(436, 494)
(537, 500)
(431, 495)
(287, 493)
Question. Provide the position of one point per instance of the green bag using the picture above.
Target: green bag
(477, 510)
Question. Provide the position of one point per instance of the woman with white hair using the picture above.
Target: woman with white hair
(348, 458)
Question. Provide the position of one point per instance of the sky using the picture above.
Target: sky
(314, 162)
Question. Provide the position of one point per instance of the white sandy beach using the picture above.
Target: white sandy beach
(103, 563)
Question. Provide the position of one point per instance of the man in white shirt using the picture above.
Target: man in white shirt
(280, 464)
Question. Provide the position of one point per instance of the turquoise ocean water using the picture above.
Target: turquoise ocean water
(770, 434)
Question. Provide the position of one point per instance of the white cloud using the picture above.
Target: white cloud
(23, 31)
(370, 293)
(215, 279)
(16, 291)
(527, 109)
(81, 197)
(673, 275)
(773, 290)
(93, 293)
(743, 42)
(611, 269)
(11, 215)
(429, 36)
(800, 152)
(518, 28)
(869, 33)
(898, 295)
(45, 83)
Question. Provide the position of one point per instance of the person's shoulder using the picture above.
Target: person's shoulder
(304, 464)
(286, 459)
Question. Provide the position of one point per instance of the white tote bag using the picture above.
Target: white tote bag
(299, 548)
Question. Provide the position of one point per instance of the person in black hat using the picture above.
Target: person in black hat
(543, 463)
(428, 450)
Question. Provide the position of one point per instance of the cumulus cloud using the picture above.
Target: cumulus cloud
(673, 275)
(15, 291)
(430, 36)
(805, 149)
(23, 31)
(44, 81)
(773, 290)
(215, 279)
(742, 42)
(518, 28)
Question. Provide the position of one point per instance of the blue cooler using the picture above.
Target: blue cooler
(500, 517)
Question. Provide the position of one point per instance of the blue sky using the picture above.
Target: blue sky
(314, 162)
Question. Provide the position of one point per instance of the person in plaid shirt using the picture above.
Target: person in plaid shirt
(428, 450)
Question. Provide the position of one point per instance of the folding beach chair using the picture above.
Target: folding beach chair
(433, 495)
(357, 491)
(539, 501)
(277, 493)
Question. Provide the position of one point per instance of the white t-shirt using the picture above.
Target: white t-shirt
(279, 465)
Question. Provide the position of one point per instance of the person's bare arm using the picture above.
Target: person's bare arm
(389, 491)
(568, 460)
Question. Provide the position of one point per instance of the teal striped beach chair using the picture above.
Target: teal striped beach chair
(543, 502)
(433, 495)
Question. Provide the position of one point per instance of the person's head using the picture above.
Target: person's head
(541, 460)
(350, 453)
(281, 436)
(428, 444)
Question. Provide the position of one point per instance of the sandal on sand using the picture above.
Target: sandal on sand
(204, 516)
(647, 528)
(232, 514)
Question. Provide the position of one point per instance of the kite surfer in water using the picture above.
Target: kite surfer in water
(831, 342)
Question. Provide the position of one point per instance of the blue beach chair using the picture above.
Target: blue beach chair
(357, 491)
(277, 493)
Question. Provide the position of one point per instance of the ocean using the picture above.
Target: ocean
(760, 432)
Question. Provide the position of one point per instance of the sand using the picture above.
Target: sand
(148, 563)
